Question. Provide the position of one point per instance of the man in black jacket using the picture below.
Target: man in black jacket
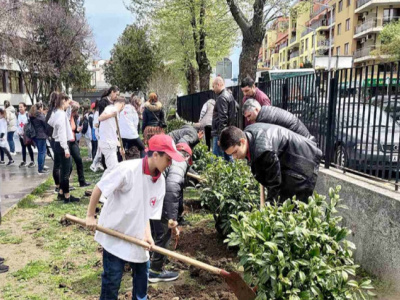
(255, 113)
(187, 134)
(224, 114)
(284, 162)
(172, 209)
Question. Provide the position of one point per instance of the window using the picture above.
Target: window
(15, 86)
(390, 14)
(306, 44)
(347, 24)
(312, 41)
(346, 49)
(338, 50)
(348, 3)
(339, 29)
(340, 5)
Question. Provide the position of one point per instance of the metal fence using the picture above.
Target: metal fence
(353, 113)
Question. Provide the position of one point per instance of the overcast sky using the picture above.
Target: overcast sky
(108, 20)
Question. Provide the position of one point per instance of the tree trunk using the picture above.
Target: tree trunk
(191, 79)
(204, 76)
(249, 58)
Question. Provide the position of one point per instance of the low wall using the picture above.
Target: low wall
(374, 218)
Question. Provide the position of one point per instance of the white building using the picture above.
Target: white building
(98, 81)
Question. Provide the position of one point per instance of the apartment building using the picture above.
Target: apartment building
(353, 31)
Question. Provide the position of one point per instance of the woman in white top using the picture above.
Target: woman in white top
(62, 134)
(108, 141)
(22, 120)
(128, 124)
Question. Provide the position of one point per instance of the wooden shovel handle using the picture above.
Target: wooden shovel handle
(198, 177)
(157, 249)
(262, 196)
(120, 139)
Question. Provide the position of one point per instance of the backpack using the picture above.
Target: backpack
(49, 129)
(29, 130)
(85, 125)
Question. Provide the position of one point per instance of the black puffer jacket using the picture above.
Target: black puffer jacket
(278, 116)
(153, 115)
(285, 162)
(175, 180)
(224, 114)
(40, 125)
(187, 134)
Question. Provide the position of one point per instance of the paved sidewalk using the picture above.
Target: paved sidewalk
(16, 183)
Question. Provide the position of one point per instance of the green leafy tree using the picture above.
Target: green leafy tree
(390, 38)
(133, 60)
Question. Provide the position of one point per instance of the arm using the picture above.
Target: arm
(222, 114)
(162, 116)
(105, 116)
(147, 236)
(144, 123)
(267, 171)
(91, 211)
(203, 111)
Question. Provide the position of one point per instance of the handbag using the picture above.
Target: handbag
(160, 123)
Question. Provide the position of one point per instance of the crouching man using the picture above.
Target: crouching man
(135, 192)
(284, 162)
(172, 210)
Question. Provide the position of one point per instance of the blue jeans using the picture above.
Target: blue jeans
(218, 152)
(112, 275)
(10, 140)
(41, 146)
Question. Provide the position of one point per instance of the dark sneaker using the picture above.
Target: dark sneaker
(3, 268)
(2, 162)
(71, 199)
(72, 188)
(56, 190)
(163, 276)
(43, 172)
(11, 162)
(31, 165)
(23, 164)
(60, 197)
(84, 184)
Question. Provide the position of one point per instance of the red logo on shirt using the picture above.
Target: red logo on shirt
(153, 201)
(21, 124)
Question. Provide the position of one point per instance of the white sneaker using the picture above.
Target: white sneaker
(93, 168)
(13, 153)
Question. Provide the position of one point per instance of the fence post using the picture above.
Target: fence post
(331, 120)
(285, 94)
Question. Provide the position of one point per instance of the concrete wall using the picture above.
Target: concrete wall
(373, 217)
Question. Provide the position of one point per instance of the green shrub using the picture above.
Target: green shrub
(174, 124)
(202, 157)
(298, 251)
(230, 188)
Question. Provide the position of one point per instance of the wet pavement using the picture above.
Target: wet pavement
(16, 183)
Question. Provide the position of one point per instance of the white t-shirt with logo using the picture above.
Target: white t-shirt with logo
(132, 200)
(22, 120)
(128, 122)
(108, 128)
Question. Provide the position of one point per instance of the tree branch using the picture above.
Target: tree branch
(238, 15)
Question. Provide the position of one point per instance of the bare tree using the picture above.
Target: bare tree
(49, 42)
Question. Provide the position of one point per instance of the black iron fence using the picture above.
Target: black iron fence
(353, 113)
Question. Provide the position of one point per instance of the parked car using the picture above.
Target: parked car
(390, 104)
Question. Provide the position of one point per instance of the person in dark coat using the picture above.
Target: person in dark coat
(107, 98)
(224, 114)
(153, 118)
(38, 120)
(172, 209)
(188, 134)
(283, 161)
(255, 113)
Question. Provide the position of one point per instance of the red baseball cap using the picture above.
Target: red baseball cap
(164, 143)
(185, 147)
(92, 105)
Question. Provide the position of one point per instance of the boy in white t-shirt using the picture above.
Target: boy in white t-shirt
(135, 191)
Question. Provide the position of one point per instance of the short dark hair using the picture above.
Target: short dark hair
(248, 81)
(230, 136)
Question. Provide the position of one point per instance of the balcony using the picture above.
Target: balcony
(318, 11)
(364, 53)
(293, 39)
(365, 5)
(283, 45)
(294, 54)
(307, 31)
(369, 26)
(321, 24)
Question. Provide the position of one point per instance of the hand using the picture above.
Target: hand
(122, 151)
(175, 232)
(96, 125)
(91, 222)
(67, 155)
(150, 241)
(80, 128)
(172, 224)
(115, 113)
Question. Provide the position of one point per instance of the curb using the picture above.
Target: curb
(14, 206)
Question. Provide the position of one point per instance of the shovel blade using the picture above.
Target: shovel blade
(239, 286)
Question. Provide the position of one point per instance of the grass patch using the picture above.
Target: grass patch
(199, 216)
(191, 193)
(32, 270)
(7, 238)
(42, 188)
(27, 202)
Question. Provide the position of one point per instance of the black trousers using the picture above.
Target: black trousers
(23, 146)
(62, 164)
(94, 148)
(56, 169)
(207, 133)
(76, 155)
(128, 143)
(5, 150)
(162, 236)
